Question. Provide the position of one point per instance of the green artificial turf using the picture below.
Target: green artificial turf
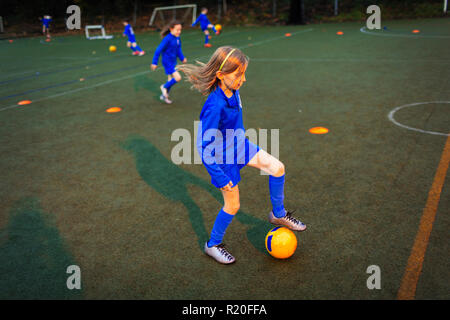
(80, 186)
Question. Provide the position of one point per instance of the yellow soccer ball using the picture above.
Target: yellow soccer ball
(218, 27)
(112, 48)
(281, 242)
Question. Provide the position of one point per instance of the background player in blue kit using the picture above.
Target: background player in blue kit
(223, 158)
(170, 49)
(128, 31)
(204, 25)
(46, 25)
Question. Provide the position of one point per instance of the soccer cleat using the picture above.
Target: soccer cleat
(166, 100)
(288, 221)
(217, 32)
(135, 53)
(164, 91)
(141, 53)
(219, 253)
(207, 45)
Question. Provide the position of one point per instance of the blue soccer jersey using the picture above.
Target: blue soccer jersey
(128, 31)
(221, 138)
(203, 20)
(46, 21)
(170, 49)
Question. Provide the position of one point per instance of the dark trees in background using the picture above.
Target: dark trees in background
(297, 12)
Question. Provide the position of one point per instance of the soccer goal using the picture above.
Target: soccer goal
(163, 15)
(92, 33)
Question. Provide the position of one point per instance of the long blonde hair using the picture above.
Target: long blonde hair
(204, 75)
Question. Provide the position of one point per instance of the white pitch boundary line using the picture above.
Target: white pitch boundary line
(272, 39)
(401, 35)
(78, 90)
(391, 117)
(344, 60)
(8, 76)
(262, 42)
(137, 74)
(71, 58)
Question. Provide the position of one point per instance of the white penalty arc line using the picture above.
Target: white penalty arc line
(137, 74)
(363, 30)
(391, 118)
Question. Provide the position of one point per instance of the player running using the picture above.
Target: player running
(170, 49)
(204, 25)
(131, 43)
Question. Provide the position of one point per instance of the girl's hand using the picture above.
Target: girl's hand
(153, 67)
(227, 187)
(185, 60)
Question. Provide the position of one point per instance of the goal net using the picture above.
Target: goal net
(161, 16)
(96, 32)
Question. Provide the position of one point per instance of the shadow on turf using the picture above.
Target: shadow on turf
(34, 258)
(172, 182)
(144, 82)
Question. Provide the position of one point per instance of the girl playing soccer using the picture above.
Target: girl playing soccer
(204, 25)
(131, 43)
(46, 25)
(221, 117)
(170, 48)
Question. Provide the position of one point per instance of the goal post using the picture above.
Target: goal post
(97, 27)
(1, 25)
(160, 10)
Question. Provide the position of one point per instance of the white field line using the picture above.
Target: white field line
(140, 73)
(393, 111)
(416, 36)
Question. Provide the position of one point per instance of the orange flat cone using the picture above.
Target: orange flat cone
(288, 34)
(24, 102)
(415, 31)
(339, 33)
(113, 110)
(10, 41)
(318, 130)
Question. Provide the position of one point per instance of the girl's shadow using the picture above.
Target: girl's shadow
(34, 256)
(172, 182)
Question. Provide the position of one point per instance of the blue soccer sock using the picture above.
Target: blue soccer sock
(276, 188)
(138, 48)
(221, 224)
(214, 29)
(132, 48)
(169, 84)
(206, 39)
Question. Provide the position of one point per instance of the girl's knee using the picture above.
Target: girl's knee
(280, 170)
(232, 208)
(177, 77)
